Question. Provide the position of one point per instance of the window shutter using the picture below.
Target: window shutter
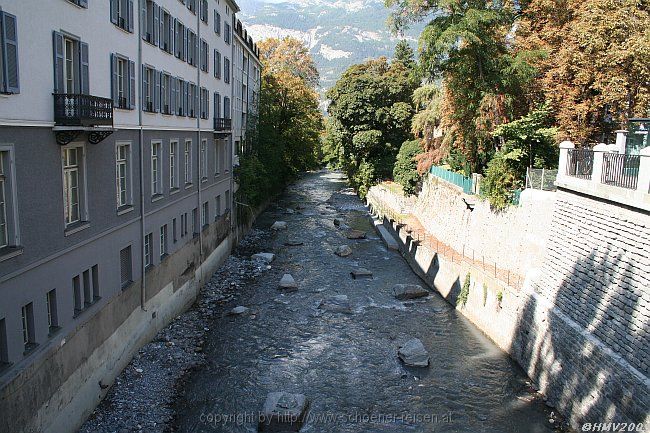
(58, 62)
(185, 104)
(114, 11)
(132, 84)
(172, 95)
(10, 53)
(130, 17)
(156, 92)
(114, 81)
(161, 27)
(84, 69)
(186, 42)
(143, 20)
(207, 104)
(175, 34)
(196, 49)
(170, 32)
(217, 105)
(145, 84)
(156, 24)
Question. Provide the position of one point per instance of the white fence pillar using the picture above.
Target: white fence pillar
(597, 171)
(621, 140)
(564, 158)
(643, 184)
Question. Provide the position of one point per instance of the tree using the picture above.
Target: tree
(404, 54)
(370, 117)
(405, 172)
(596, 72)
(425, 126)
(289, 55)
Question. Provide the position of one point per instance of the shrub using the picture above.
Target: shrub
(405, 170)
(464, 291)
(501, 179)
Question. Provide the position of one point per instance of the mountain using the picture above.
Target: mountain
(339, 33)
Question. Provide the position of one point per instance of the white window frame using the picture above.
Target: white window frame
(128, 178)
(156, 168)
(187, 162)
(163, 241)
(173, 164)
(204, 160)
(148, 250)
(82, 193)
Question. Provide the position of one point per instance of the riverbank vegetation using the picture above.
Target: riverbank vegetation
(285, 139)
(494, 89)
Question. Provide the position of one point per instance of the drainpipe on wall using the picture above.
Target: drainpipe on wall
(198, 134)
(143, 286)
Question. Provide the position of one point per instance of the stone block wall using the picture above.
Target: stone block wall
(515, 238)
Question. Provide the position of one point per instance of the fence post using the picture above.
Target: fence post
(643, 184)
(541, 184)
(564, 158)
(621, 140)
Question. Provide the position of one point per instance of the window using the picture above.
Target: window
(205, 211)
(188, 162)
(173, 165)
(76, 293)
(163, 241)
(226, 107)
(4, 347)
(191, 5)
(195, 221)
(5, 214)
(27, 317)
(80, 3)
(204, 160)
(156, 172)
(180, 39)
(71, 65)
(122, 14)
(183, 224)
(87, 288)
(126, 276)
(150, 21)
(217, 207)
(217, 157)
(174, 228)
(123, 82)
(166, 93)
(95, 276)
(217, 22)
(205, 49)
(73, 185)
(227, 200)
(226, 70)
(192, 47)
(186, 224)
(181, 97)
(217, 64)
(192, 98)
(9, 82)
(150, 82)
(204, 11)
(123, 175)
(166, 41)
(226, 33)
(52, 313)
(205, 103)
(148, 250)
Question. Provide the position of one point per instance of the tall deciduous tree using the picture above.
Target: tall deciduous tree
(289, 55)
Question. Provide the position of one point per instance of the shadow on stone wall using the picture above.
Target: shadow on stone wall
(581, 344)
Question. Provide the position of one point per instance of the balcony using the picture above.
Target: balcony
(76, 113)
(222, 125)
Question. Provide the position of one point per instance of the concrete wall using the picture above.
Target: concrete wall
(515, 238)
(579, 327)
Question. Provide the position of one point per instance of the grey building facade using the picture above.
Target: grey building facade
(116, 188)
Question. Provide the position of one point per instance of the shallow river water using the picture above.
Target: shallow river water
(346, 364)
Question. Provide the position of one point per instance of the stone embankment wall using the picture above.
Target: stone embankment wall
(579, 327)
(515, 239)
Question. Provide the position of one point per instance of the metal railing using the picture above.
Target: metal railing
(82, 110)
(621, 170)
(457, 179)
(222, 124)
(541, 178)
(580, 163)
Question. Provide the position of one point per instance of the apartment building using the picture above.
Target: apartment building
(247, 71)
(116, 155)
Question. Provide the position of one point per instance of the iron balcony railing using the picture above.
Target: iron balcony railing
(621, 170)
(222, 124)
(580, 163)
(82, 110)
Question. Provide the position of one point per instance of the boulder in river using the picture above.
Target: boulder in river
(360, 273)
(288, 283)
(356, 234)
(343, 251)
(336, 304)
(337, 222)
(279, 225)
(294, 242)
(265, 257)
(238, 311)
(413, 354)
(283, 412)
(404, 292)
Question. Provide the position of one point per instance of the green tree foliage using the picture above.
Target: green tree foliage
(501, 178)
(405, 172)
(370, 117)
(287, 135)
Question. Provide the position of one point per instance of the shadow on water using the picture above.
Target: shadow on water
(347, 364)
